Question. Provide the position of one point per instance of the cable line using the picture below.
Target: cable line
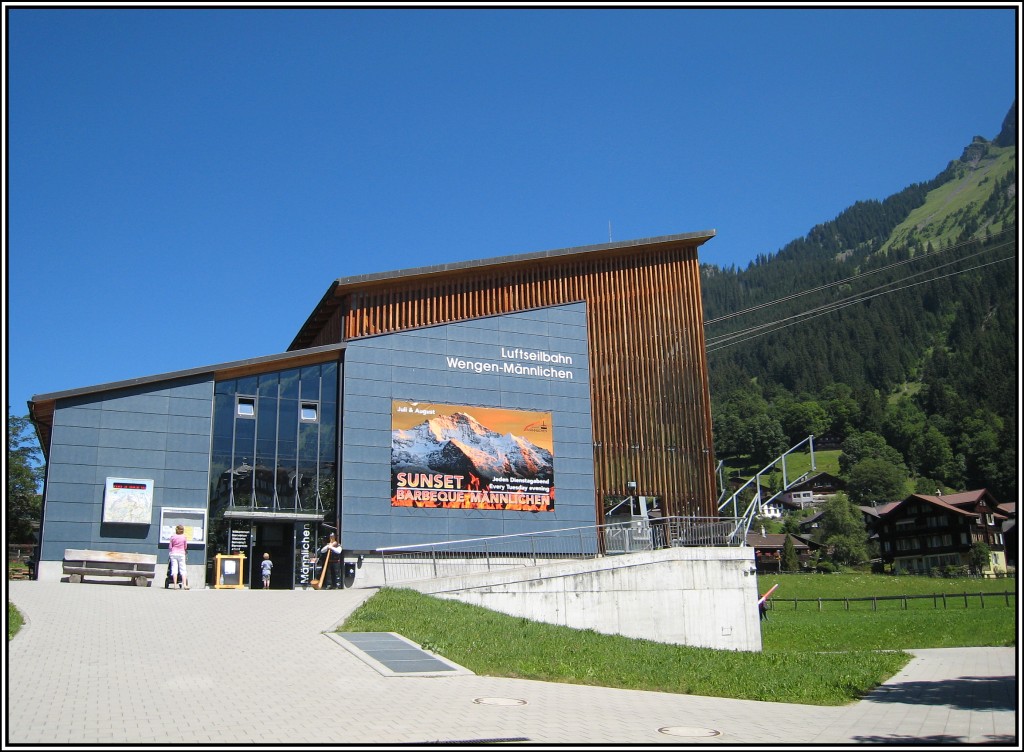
(714, 340)
(847, 280)
(719, 344)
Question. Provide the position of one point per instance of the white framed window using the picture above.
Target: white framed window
(245, 407)
(309, 412)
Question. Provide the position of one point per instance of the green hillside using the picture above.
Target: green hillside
(949, 208)
(890, 331)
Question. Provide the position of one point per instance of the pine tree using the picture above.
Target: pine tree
(790, 561)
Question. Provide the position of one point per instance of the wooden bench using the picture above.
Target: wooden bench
(139, 568)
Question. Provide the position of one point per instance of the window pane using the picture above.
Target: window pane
(329, 382)
(310, 387)
(247, 385)
(225, 387)
(245, 440)
(224, 415)
(327, 445)
(290, 384)
(268, 385)
(309, 444)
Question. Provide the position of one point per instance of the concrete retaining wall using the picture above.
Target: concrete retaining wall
(704, 597)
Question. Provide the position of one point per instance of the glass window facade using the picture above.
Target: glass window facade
(276, 459)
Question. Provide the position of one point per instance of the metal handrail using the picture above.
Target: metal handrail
(754, 508)
(445, 558)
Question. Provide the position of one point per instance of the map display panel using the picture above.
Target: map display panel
(128, 501)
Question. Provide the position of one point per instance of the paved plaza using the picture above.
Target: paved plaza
(105, 663)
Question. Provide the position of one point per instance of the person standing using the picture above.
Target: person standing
(333, 551)
(265, 566)
(176, 553)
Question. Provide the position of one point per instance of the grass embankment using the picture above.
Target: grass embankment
(494, 644)
(814, 657)
(14, 620)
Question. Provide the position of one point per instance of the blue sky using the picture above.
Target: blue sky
(184, 185)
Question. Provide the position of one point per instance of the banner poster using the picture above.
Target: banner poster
(463, 457)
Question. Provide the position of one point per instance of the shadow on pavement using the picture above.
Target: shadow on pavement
(936, 739)
(965, 693)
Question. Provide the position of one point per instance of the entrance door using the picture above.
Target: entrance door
(276, 539)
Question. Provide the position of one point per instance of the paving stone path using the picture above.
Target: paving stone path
(103, 663)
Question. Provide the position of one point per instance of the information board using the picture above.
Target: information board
(128, 501)
(193, 519)
(239, 539)
(229, 571)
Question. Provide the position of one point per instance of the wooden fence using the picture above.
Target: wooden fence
(945, 598)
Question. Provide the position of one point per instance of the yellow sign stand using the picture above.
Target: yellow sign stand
(228, 571)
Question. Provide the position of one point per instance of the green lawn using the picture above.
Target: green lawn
(889, 628)
(829, 656)
(797, 463)
(494, 644)
(867, 585)
(796, 623)
(14, 620)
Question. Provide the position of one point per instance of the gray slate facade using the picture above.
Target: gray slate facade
(157, 431)
(414, 366)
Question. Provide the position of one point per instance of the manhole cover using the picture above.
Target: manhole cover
(498, 701)
(691, 731)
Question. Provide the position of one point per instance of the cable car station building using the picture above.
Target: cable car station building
(482, 398)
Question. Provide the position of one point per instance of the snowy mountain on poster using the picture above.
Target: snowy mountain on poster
(457, 444)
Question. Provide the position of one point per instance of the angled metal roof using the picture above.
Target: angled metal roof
(331, 298)
(421, 271)
(41, 406)
(278, 359)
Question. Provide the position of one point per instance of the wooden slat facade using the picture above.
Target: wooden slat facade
(651, 407)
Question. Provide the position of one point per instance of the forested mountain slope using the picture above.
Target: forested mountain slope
(897, 318)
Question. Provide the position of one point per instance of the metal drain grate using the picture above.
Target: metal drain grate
(508, 740)
(393, 655)
(690, 731)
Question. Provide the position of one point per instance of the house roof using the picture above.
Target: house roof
(951, 502)
(879, 510)
(773, 541)
(818, 479)
(969, 498)
(811, 543)
(813, 518)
